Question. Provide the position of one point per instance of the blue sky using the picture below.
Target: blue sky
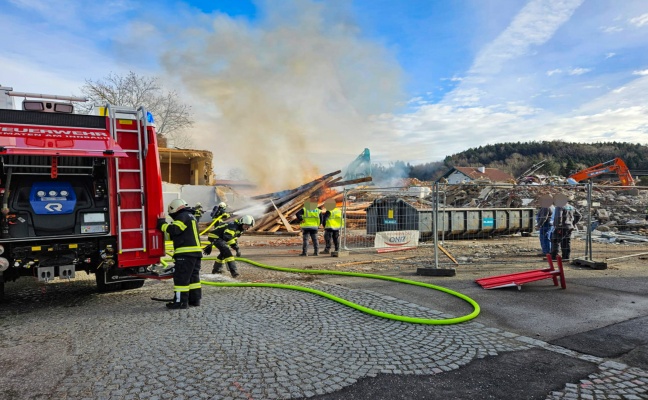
(293, 88)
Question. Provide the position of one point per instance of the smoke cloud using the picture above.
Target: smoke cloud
(290, 97)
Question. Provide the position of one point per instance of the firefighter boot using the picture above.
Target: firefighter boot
(177, 305)
(179, 301)
(231, 265)
(194, 297)
(218, 268)
(326, 250)
(315, 248)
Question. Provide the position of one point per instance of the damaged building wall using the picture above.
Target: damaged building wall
(186, 167)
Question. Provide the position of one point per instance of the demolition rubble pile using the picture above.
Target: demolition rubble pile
(617, 213)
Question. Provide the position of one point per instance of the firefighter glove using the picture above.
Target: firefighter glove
(207, 250)
(237, 250)
(160, 222)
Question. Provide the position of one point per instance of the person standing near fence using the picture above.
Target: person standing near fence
(564, 220)
(309, 218)
(332, 222)
(543, 223)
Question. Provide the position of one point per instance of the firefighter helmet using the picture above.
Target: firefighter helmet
(222, 205)
(177, 205)
(247, 220)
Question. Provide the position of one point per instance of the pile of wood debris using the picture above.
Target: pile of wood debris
(281, 207)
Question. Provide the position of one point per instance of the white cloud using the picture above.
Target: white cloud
(611, 29)
(453, 79)
(578, 71)
(642, 72)
(532, 26)
(554, 71)
(640, 20)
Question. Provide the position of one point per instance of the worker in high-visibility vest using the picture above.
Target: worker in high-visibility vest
(309, 218)
(332, 222)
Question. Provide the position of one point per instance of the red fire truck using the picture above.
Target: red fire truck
(78, 192)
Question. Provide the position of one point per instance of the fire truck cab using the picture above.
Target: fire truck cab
(77, 192)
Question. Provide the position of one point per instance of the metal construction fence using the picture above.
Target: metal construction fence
(493, 223)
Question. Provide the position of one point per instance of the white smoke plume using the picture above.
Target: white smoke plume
(290, 95)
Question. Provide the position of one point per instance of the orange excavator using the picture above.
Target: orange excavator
(613, 166)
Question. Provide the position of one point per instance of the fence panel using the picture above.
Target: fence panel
(493, 223)
(619, 222)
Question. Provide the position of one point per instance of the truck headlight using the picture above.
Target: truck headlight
(4, 264)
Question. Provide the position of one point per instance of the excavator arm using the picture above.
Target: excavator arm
(613, 166)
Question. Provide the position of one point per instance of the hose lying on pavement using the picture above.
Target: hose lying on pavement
(415, 320)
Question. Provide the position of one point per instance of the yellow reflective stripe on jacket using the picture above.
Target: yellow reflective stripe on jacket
(194, 286)
(181, 288)
(196, 234)
(334, 221)
(311, 218)
(233, 233)
(180, 225)
(187, 249)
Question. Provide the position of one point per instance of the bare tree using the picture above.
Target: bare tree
(171, 116)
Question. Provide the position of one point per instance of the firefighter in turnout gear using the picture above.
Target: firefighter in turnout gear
(187, 254)
(218, 212)
(198, 211)
(225, 237)
(332, 222)
(309, 218)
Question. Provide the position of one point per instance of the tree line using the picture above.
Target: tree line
(560, 158)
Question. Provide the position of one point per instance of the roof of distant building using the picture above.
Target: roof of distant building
(474, 173)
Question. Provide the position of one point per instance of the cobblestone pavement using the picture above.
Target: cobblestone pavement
(243, 343)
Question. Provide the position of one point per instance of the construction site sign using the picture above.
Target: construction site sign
(396, 240)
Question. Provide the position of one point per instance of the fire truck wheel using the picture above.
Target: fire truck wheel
(128, 285)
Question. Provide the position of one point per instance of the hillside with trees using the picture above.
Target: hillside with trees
(561, 158)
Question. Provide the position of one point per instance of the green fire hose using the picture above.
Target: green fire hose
(415, 320)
